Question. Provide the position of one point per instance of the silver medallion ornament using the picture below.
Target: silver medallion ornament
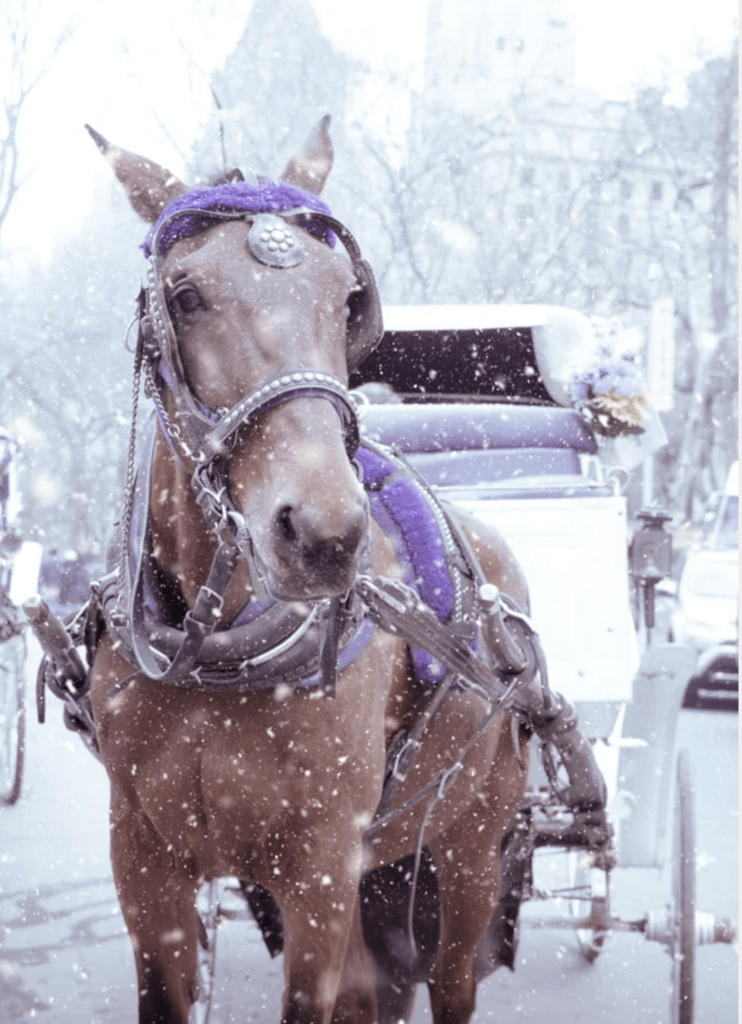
(273, 242)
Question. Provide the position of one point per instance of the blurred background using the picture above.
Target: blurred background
(485, 153)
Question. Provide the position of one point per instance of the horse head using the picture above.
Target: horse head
(252, 318)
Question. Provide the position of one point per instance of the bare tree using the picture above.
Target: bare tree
(66, 377)
(481, 209)
(696, 262)
(23, 64)
(604, 207)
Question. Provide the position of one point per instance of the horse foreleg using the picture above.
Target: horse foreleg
(158, 903)
(467, 860)
(468, 900)
(356, 999)
(322, 926)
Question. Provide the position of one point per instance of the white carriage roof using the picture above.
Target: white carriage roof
(418, 343)
(466, 318)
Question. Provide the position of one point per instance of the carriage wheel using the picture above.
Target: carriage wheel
(589, 899)
(683, 939)
(207, 908)
(12, 718)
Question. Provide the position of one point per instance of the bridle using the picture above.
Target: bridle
(203, 436)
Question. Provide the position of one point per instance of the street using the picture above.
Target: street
(65, 956)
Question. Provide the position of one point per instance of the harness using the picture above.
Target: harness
(473, 638)
(461, 632)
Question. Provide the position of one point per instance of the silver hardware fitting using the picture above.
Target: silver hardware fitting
(448, 778)
(172, 430)
(212, 499)
(360, 402)
(404, 757)
(503, 644)
(273, 242)
(661, 926)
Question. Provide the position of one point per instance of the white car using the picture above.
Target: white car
(708, 599)
(707, 613)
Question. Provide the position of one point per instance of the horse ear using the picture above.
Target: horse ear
(310, 166)
(149, 187)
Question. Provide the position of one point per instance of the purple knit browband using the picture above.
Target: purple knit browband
(265, 197)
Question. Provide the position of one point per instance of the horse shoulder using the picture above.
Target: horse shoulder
(495, 557)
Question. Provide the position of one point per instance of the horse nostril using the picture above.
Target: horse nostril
(285, 524)
(317, 544)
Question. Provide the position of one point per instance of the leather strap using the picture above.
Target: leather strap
(295, 384)
(200, 621)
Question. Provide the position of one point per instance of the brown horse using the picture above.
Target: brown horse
(278, 785)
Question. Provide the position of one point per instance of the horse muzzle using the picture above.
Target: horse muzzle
(307, 555)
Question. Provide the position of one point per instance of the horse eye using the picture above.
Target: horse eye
(188, 300)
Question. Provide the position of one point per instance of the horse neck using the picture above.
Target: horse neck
(182, 543)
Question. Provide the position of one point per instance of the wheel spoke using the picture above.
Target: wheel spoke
(683, 938)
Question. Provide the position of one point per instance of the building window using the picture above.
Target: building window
(500, 42)
(627, 189)
(526, 175)
(519, 45)
(525, 213)
(656, 191)
(563, 181)
(624, 226)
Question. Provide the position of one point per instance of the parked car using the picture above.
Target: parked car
(707, 613)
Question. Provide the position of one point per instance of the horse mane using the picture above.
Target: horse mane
(234, 196)
(227, 177)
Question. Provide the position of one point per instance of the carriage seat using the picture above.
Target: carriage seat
(459, 444)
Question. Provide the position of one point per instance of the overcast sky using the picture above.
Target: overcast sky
(126, 72)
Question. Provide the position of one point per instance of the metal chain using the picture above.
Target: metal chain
(130, 470)
(172, 430)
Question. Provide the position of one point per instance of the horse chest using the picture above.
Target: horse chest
(247, 767)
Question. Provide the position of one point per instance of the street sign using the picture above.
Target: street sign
(661, 354)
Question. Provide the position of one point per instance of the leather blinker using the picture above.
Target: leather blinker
(365, 322)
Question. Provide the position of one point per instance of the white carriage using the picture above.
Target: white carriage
(482, 400)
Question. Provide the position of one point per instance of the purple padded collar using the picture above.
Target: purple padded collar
(265, 197)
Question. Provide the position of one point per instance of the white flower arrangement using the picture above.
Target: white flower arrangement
(609, 390)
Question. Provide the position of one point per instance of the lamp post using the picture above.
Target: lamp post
(650, 557)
